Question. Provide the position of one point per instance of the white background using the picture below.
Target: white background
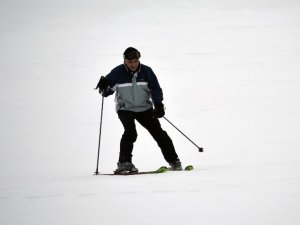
(230, 75)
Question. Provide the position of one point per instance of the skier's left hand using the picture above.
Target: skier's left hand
(159, 111)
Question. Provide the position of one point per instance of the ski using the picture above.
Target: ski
(162, 169)
(188, 168)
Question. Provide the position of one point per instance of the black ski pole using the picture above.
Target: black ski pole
(199, 148)
(97, 169)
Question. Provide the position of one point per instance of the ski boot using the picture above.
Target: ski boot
(175, 165)
(126, 167)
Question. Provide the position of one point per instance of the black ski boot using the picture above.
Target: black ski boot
(175, 165)
(126, 167)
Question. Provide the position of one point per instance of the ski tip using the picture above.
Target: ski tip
(162, 169)
(189, 167)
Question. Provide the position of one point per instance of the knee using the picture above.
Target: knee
(162, 136)
(130, 136)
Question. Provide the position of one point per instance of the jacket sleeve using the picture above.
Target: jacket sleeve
(111, 77)
(155, 89)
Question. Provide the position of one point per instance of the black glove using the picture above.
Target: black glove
(102, 84)
(159, 111)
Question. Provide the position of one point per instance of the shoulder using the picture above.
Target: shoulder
(116, 72)
(119, 68)
(147, 70)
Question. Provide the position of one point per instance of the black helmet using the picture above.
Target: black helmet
(131, 53)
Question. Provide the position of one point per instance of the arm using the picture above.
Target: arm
(156, 95)
(153, 84)
(106, 85)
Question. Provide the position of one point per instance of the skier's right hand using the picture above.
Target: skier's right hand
(102, 84)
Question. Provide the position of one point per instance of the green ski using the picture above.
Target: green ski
(162, 169)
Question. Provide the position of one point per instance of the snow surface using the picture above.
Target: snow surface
(230, 75)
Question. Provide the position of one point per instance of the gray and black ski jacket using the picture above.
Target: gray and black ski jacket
(134, 91)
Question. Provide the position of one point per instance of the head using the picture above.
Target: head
(132, 58)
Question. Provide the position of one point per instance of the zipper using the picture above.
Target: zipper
(134, 86)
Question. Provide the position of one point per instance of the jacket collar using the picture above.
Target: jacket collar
(133, 72)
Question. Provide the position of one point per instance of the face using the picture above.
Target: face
(132, 64)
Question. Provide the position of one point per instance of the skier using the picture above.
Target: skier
(136, 85)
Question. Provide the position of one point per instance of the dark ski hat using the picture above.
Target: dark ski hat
(131, 53)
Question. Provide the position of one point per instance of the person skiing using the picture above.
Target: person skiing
(139, 98)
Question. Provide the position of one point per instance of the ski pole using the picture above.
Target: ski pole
(199, 148)
(97, 169)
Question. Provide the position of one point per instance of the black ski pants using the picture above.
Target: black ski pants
(152, 124)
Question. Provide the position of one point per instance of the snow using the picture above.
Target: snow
(230, 75)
